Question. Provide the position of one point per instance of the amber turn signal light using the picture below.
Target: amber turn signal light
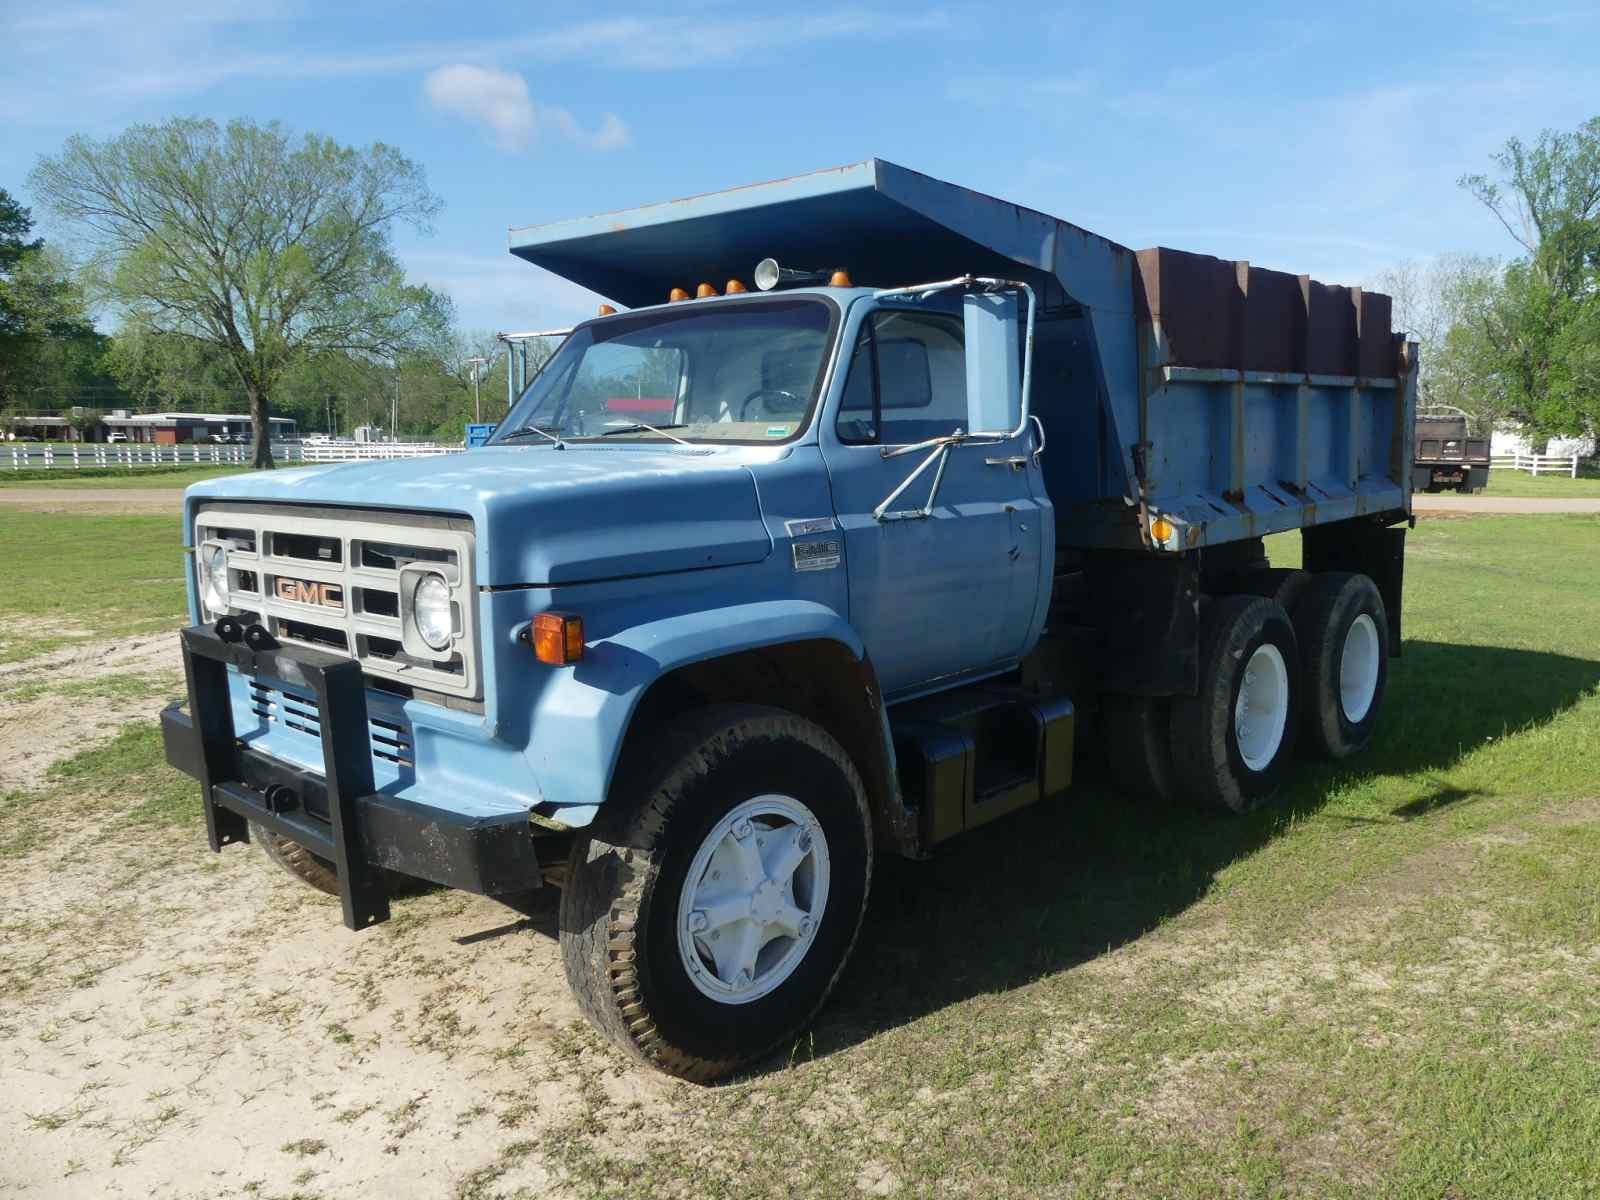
(557, 638)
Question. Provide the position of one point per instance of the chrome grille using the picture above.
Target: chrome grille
(335, 582)
(295, 710)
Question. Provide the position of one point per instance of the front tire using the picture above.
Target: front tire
(1235, 737)
(710, 912)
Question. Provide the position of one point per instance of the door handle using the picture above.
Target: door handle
(1016, 462)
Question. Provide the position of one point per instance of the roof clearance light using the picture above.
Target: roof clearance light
(705, 290)
(840, 278)
(676, 294)
(607, 311)
(767, 273)
(734, 287)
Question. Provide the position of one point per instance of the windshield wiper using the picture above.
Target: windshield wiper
(636, 426)
(529, 429)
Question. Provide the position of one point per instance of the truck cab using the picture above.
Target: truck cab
(751, 587)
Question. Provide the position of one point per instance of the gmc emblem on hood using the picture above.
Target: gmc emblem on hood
(308, 591)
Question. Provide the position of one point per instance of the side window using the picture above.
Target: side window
(907, 380)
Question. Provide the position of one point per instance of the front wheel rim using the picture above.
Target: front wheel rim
(753, 899)
(1261, 710)
(1358, 668)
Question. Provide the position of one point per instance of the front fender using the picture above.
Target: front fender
(582, 714)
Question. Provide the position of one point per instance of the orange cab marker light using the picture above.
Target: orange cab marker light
(1162, 529)
(705, 290)
(734, 287)
(557, 638)
(840, 278)
(676, 294)
(607, 311)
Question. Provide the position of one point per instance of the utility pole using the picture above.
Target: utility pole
(477, 403)
(394, 409)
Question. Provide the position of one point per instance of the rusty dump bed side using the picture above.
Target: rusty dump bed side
(1266, 401)
(1232, 400)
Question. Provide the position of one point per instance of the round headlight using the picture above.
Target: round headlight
(430, 611)
(214, 578)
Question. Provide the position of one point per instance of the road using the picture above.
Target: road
(53, 498)
(1442, 503)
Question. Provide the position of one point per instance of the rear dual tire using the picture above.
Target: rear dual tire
(1235, 736)
(1343, 631)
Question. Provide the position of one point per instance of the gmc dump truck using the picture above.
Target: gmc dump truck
(1447, 455)
(862, 499)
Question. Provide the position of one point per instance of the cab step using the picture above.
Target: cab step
(976, 753)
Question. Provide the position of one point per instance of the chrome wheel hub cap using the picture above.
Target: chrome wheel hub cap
(753, 899)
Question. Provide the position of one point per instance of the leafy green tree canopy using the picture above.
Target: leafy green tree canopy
(1535, 334)
(46, 342)
(252, 241)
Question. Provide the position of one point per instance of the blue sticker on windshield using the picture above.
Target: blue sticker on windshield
(778, 430)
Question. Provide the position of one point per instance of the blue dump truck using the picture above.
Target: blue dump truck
(876, 497)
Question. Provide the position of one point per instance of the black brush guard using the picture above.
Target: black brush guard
(336, 815)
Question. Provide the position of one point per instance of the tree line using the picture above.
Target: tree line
(245, 269)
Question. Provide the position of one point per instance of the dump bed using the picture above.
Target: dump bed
(1233, 400)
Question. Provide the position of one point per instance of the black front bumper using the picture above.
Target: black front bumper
(336, 815)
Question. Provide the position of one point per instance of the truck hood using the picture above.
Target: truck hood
(548, 516)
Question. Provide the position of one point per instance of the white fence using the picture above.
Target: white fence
(130, 456)
(1538, 464)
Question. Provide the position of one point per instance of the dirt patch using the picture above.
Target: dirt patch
(46, 715)
(174, 1023)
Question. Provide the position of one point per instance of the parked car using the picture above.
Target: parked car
(116, 437)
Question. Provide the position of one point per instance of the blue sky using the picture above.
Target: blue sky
(1317, 138)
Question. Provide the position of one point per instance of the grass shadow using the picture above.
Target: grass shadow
(1090, 870)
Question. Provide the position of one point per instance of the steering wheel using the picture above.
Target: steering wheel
(762, 393)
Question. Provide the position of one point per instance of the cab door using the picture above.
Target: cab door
(936, 590)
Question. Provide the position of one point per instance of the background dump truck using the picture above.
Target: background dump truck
(837, 558)
(1447, 456)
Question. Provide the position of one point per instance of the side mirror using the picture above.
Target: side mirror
(994, 367)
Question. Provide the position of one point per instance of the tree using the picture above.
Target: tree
(247, 240)
(46, 342)
(1535, 334)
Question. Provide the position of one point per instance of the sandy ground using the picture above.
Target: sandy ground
(62, 498)
(32, 733)
(1490, 503)
(175, 1023)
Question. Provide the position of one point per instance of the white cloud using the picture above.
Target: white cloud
(143, 48)
(501, 291)
(500, 100)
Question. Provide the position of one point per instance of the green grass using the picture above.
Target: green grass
(1384, 986)
(166, 475)
(76, 577)
(1521, 483)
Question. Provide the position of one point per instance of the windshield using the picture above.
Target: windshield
(742, 372)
